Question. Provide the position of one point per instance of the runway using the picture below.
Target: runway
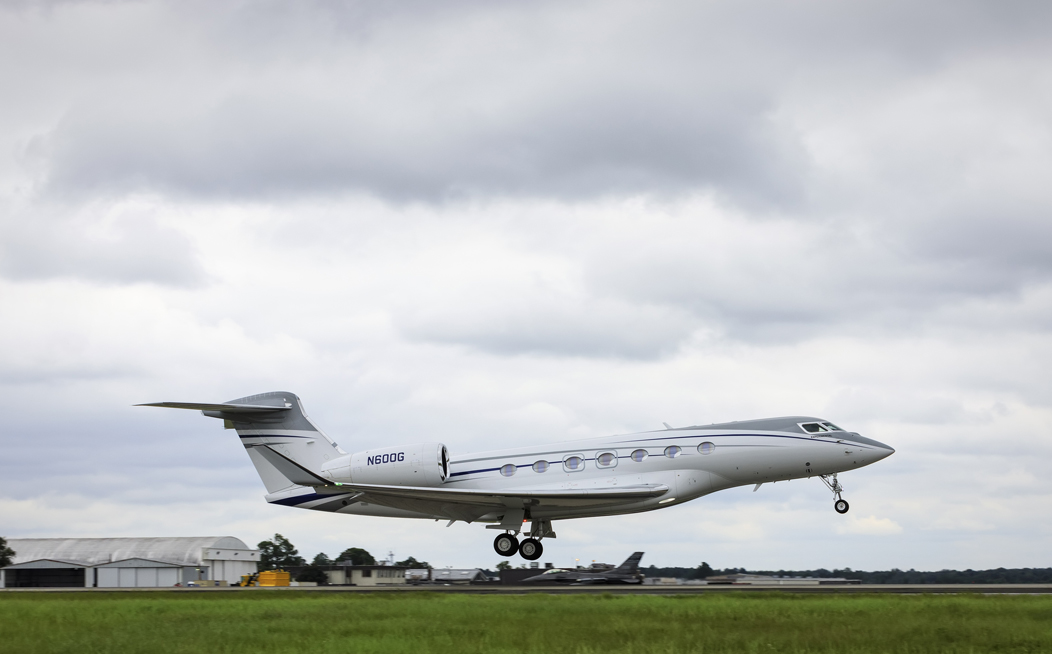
(496, 589)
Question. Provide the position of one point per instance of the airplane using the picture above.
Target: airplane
(302, 467)
(597, 573)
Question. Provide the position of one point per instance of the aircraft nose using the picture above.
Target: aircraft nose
(883, 451)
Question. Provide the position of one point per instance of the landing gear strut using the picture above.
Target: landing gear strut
(840, 505)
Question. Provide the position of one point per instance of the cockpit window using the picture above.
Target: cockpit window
(819, 427)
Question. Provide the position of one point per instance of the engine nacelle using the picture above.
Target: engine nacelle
(423, 464)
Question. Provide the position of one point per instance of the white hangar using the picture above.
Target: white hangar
(125, 562)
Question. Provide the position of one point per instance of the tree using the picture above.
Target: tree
(414, 564)
(356, 556)
(313, 573)
(503, 565)
(6, 553)
(703, 571)
(278, 553)
(320, 559)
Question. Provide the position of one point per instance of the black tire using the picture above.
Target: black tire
(841, 506)
(506, 545)
(531, 549)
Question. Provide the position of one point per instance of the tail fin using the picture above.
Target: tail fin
(631, 564)
(284, 445)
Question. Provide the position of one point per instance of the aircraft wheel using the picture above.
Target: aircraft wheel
(506, 545)
(531, 549)
(841, 506)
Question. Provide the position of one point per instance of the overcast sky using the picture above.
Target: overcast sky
(500, 224)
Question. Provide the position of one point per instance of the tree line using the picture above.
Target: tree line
(893, 576)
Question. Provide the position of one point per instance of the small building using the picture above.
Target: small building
(745, 579)
(418, 575)
(360, 575)
(459, 576)
(126, 562)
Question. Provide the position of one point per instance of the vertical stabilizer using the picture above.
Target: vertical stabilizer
(282, 442)
(631, 564)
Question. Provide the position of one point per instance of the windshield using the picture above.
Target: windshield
(819, 427)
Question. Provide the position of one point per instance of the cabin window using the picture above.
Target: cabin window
(573, 463)
(672, 451)
(508, 470)
(606, 460)
(540, 466)
(639, 456)
(706, 448)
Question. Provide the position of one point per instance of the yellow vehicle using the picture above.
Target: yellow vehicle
(249, 580)
(274, 578)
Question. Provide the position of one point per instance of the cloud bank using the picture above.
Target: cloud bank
(507, 224)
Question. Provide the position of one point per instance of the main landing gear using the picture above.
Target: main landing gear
(840, 505)
(507, 544)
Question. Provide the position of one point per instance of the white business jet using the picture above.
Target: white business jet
(304, 468)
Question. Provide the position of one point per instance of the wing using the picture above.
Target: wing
(465, 504)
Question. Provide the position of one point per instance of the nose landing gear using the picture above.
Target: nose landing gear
(840, 505)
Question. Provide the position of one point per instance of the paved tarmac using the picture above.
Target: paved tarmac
(497, 589)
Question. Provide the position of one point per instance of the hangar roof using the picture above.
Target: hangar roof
(93, 551)
(44, 563)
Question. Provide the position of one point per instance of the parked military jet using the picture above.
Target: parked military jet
(597, 573)
(302, 467)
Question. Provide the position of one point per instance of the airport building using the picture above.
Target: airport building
(126, 562)
(359, 575)
(446, 576)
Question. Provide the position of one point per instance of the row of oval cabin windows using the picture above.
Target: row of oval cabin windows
(605, 460)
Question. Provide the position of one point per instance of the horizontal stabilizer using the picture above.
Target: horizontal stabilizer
(226, 408)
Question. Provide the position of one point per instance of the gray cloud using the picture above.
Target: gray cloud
(538, 100)
(500, 224)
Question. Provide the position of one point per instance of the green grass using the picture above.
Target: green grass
(260, 621)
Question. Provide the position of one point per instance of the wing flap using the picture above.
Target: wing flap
(503, 499)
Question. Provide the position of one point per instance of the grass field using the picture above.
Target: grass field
(323, 623)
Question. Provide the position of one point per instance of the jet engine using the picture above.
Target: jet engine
(423, 464)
